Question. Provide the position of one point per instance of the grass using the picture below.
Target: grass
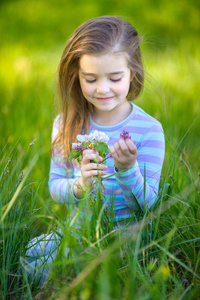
(104, 264)
(158, 257)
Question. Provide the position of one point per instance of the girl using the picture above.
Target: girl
(100, 73)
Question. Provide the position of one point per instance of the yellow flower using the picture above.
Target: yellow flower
(91, 144)
(165, 271)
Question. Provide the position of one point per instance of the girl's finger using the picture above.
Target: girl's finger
(121, 149)
(113, 152)
(90, 151)
(131, 146)
(118, 149)
(123, 146)
(95, 173)
(87, 157)
(94, 166)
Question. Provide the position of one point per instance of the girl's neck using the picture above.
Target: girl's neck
(113, 117)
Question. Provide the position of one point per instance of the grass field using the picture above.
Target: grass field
(33, 35)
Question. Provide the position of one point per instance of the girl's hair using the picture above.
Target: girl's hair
(101, 35)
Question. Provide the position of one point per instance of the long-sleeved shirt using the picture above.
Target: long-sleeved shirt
(142, 180)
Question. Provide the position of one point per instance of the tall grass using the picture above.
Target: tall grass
(18, 197)
(157, 257)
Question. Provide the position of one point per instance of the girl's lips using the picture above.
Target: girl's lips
(104, 99)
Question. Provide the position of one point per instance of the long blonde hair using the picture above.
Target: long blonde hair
(97, 36)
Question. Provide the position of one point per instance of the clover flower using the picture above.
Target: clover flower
(96, 136)
(125, 135)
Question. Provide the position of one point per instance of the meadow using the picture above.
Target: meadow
(164, 264)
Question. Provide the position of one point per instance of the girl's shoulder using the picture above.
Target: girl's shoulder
(56, 126)
(142, 116)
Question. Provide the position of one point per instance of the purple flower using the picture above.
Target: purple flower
(125, 135)
(80, 148)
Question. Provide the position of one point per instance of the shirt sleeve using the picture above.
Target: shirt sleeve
(61, 177)
(141, 182)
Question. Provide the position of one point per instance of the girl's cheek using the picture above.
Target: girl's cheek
(87, 90)
(119, 90)
(122, 86)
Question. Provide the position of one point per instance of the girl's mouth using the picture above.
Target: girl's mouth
(104, 99)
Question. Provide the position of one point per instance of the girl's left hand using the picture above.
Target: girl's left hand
(124, 153)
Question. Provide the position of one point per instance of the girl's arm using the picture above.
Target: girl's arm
(65, 186)
(61, 177)
(61, 181)
(144, 167)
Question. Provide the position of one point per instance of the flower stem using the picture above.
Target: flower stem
(105, 159)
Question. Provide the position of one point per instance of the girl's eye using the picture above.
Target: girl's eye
(90, 80)
(93, 80)
(115, 80)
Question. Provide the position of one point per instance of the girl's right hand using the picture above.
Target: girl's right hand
(88, 170)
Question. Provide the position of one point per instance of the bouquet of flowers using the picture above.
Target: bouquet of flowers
(96, 140)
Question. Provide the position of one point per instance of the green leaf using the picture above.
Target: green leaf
(101, 147)
(74, 154)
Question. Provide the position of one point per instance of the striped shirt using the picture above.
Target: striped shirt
(139, 183)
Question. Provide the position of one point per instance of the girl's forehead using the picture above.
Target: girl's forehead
(108, 60)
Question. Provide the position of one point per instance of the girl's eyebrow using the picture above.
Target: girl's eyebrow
(112, 73)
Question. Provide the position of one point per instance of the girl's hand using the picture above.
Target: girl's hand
(124, 153)
(88, 170)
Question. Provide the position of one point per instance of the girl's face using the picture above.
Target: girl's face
(105, 81)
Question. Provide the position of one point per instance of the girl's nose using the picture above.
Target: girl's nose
(103, 87)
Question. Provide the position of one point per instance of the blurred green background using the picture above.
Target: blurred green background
(32, 37)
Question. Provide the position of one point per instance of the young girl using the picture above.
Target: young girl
(100, 73)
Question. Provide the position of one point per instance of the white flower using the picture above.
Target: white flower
(98, 136)
(82, 138)
(93, 137)
(74, 145)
